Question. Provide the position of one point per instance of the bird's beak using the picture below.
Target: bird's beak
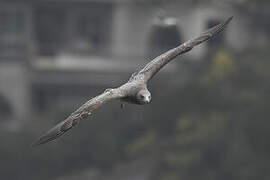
(148, 100)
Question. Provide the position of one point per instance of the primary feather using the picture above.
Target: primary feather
(83, 112)
(155, 65)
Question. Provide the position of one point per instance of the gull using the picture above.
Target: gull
(134, 91)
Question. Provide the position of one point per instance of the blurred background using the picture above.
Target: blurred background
(209, 116)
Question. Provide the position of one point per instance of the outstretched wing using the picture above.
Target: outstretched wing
(84, 111)
(155, 65)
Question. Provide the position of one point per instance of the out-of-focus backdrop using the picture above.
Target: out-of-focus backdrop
(209, 116)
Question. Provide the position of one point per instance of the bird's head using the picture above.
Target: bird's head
(144, 96)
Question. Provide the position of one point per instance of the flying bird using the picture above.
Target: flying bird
(134, 91)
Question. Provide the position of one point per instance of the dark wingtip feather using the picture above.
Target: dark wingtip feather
(53, 133)
(210, 32)
(48, 136)
(220, 27)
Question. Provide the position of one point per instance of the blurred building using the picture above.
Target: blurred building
(59, 49)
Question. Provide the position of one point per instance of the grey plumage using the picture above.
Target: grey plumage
(135, 90)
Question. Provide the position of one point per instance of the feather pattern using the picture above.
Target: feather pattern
(83, 112)
(155, 65)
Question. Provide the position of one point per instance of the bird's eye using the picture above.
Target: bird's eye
(141, 96)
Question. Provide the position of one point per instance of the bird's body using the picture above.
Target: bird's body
(137, 91)
(134, 91)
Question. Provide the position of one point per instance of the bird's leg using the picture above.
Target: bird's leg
(122, 105)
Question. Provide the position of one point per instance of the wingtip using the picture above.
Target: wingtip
(50, 135)
(57, 131)
(220, 27)
(224, 24)
(229, 19)
(43, 139)
(35, 144)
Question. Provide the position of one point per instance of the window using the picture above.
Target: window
(164, 35)
(73, 27)
(13, 29)
(92, 28)
(50, 26)
(12, 21)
